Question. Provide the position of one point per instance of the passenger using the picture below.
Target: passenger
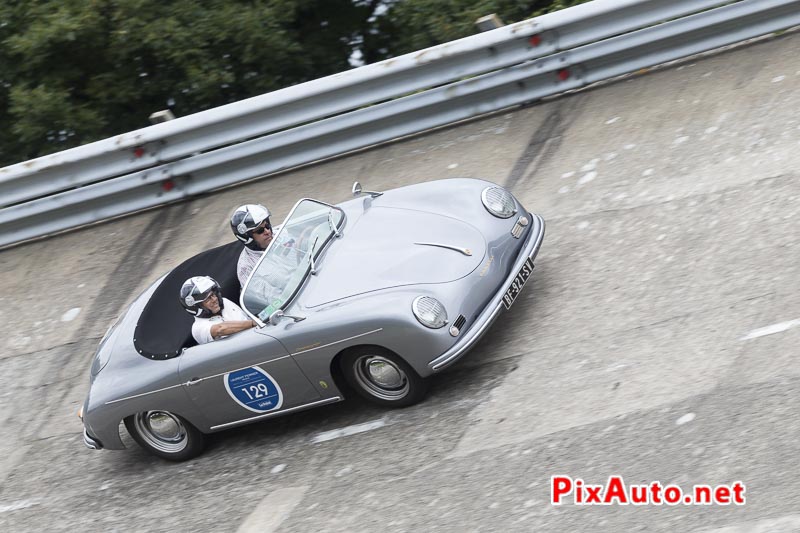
(214, 316)
(250, 224)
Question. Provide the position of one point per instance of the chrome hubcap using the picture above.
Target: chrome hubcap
(161, 430)
(164, 426)
(384, 374)
(381, 377)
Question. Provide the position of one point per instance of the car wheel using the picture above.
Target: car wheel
(382, 377)
(166, 435)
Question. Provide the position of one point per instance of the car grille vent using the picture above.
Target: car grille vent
(460, 321)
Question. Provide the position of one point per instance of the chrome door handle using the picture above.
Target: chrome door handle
(194, 381)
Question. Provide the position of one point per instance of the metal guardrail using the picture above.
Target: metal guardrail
(330, 116)
(333, 95)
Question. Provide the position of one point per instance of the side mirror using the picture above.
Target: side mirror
(275, 317)
(357, 189)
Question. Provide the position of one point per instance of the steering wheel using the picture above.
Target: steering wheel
(302, 243)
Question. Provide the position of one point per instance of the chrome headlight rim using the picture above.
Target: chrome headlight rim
(499, 201)
(429, 312)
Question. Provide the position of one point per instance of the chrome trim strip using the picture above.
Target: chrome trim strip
(193, 383)
(144, 394)
(479, 327)
(283, 357)
(339, 341)
(276, 413)
(465, 251)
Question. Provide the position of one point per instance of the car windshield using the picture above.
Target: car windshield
(287, 260)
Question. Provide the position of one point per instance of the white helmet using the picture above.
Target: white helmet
(246, 219)
(194, 292)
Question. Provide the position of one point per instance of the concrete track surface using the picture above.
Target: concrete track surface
(658, 339)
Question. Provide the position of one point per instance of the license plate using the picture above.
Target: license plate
(519, 281)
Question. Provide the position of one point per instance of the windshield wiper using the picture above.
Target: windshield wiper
(311, 256)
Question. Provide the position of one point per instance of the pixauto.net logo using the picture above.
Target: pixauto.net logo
(564, 489)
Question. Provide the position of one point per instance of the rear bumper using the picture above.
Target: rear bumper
(91, 442)
(529, 250)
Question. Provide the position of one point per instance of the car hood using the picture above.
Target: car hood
(381, 251)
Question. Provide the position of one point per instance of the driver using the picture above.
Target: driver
(250, 224)
(214, 316)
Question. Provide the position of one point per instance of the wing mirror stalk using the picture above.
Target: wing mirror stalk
(277, 315)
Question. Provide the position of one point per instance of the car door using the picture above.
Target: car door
(247, 375)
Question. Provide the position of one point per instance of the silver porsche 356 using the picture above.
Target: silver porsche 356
(380, 292)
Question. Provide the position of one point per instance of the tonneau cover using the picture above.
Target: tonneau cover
(164, 327)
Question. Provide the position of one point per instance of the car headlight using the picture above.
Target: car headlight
(429, 311)
(499, 202)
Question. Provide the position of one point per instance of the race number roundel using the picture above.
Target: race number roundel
(254, 389)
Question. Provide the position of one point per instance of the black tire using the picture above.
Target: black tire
(166, 435)
(382, 377)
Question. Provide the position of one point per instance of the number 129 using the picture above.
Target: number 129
(258, 391)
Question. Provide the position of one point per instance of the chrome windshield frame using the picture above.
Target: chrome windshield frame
(306, 275)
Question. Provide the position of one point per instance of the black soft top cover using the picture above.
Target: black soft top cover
(164, 327)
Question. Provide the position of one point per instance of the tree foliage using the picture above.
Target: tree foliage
(74, 71)
(410, 25)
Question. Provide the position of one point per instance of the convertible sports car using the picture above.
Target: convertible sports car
(373, 295)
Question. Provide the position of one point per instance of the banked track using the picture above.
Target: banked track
(666, 287)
